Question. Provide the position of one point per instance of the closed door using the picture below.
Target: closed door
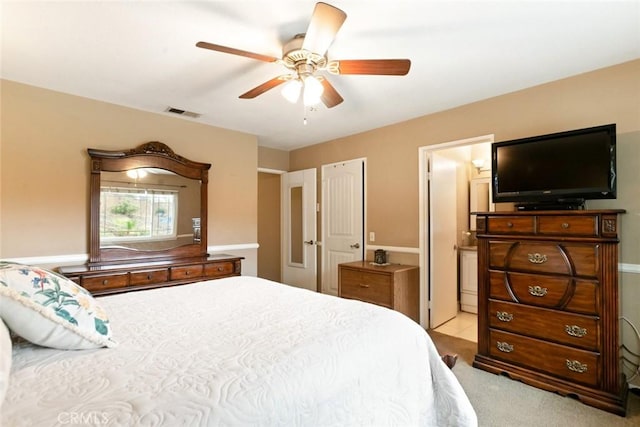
(299, 229)
(342, 219)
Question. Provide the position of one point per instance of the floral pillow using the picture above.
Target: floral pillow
(50, 310)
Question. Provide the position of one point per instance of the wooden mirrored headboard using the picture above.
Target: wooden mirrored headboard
(146, 204)
(148, 225)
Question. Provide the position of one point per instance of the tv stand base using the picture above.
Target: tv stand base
(557, 205)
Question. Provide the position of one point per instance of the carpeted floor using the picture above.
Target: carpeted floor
(500, 401)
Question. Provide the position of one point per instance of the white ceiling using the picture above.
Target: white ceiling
(142, 54)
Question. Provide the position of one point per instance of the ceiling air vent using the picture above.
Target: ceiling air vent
(182, 112)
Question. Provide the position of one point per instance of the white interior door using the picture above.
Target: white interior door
(299, 229)
(342, 219)
(443, 261)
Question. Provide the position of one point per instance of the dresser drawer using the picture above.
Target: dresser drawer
(187, 272)
(218, 269)
(149, 277)
(575, 295)
(366, 286)
(510, 225)
(96, 283)
(569, 259)
(560, 327)
(572, 364)
(568, 225)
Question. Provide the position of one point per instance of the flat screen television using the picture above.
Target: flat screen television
(556, 171)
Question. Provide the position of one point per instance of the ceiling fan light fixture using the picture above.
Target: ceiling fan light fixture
(312, 90)
(291, 90)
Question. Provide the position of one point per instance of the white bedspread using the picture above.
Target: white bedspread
(240, 351)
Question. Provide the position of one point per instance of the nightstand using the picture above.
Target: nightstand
(393, 286)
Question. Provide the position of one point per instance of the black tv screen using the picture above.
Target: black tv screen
(562, 168)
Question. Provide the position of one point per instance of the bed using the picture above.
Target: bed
(239, 351)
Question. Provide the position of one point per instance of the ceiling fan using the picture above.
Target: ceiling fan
(305, 55)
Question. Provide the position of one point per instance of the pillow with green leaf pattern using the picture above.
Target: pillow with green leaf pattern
(50, 310)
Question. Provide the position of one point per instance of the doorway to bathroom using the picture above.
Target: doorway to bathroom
(454, 181)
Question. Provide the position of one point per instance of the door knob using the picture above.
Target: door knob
(309, 242)
(355, 246)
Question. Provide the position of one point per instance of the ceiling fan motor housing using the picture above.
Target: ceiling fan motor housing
(301, 60)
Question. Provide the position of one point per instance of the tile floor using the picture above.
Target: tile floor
(464, 325)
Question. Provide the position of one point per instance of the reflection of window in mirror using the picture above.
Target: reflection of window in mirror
(129, 214)
(148, 209)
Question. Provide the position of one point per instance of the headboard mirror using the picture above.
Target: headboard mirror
(147, 204)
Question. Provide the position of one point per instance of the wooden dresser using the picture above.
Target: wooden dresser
(110, 279)
(548, 302)
(393, 286)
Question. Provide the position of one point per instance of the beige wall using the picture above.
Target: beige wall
(45, 168)
(44, 165)
(610, 95)
(269, 252)
(270, 158)
(269, 257)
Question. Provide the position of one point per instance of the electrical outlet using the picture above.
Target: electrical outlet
(372, 236)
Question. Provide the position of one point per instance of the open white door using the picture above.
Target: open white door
(443, 260)
(342, 219)
(299, 229)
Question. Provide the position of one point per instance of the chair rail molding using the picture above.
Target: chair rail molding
(82, 258)
(401, 249)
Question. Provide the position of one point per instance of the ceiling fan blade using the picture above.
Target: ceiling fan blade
(234, 51)
(386, 67)
(260, 89)
(330, 96)
(325, 24)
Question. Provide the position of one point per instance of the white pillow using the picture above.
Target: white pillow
(5, 360)
(50, 310)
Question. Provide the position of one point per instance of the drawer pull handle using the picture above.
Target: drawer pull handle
(148, 276)
(219, 268)
(575, 331)
(105, 282)
(505, 347)
(576, 366)
(537, 258)
(510, 224)
(537, 291)
(186, 272)
(362, 285)
(503, 316)
(565, 225)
